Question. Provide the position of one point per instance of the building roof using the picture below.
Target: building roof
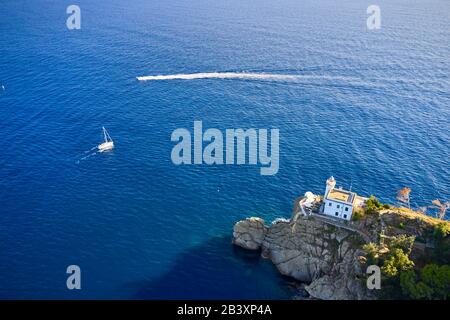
(341, 195)
(359, 201)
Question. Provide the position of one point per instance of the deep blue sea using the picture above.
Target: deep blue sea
(371, 107)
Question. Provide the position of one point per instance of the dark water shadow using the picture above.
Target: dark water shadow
(218, 270)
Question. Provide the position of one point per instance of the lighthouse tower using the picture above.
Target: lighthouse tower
(331, 183)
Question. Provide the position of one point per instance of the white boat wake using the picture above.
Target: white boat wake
(219, 75)
(88, 154)
(239, 75)
(90, 150)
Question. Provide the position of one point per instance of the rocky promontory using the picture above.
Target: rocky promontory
(327, 254)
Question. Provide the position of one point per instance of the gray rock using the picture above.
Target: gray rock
(311, 251)
(326, 254)
(249, 233)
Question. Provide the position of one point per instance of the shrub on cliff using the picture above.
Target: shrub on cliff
(411, 289)
(403, 242)
(393, 258)
(397, 262)
(432, 282)
(372, 251)
(373, 205)
(358, 213)
(441, 236)
(441, 231)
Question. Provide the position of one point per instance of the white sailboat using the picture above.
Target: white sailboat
(108, 144)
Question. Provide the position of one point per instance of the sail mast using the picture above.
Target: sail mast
(108, 144)
(104, 134)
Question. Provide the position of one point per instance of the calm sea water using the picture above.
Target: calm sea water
(375, 114)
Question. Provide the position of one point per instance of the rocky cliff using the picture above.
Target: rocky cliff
(327, 254)
(311, 251)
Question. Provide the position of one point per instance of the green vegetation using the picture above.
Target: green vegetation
(393, 258)
(401, 278)
(425, 277)
(396, 262)
(402, 242)
(372, 253)
(358, 214)
(432, 282)
(397, 257)
(373, 205)
(441, 236)
(441, 231)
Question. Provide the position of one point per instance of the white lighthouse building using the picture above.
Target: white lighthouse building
(339, 203)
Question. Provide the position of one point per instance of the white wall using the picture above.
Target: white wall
(337, 209)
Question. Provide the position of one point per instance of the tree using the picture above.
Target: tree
(373, 204)
(441, 230)
(402, 242)
(372, 251)
(438, 278)
(442, 243)
(403, 196)
(432, 282)
(412, 289)
(397, 262)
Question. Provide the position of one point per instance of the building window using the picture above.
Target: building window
(346, 208)
(336, 214)
(329, 204)
(345, 216)
(338, 206)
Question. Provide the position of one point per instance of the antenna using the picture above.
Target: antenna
(351, 184)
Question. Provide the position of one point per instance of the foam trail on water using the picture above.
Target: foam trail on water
(90, 150)
(237, 75)
(88, 153)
